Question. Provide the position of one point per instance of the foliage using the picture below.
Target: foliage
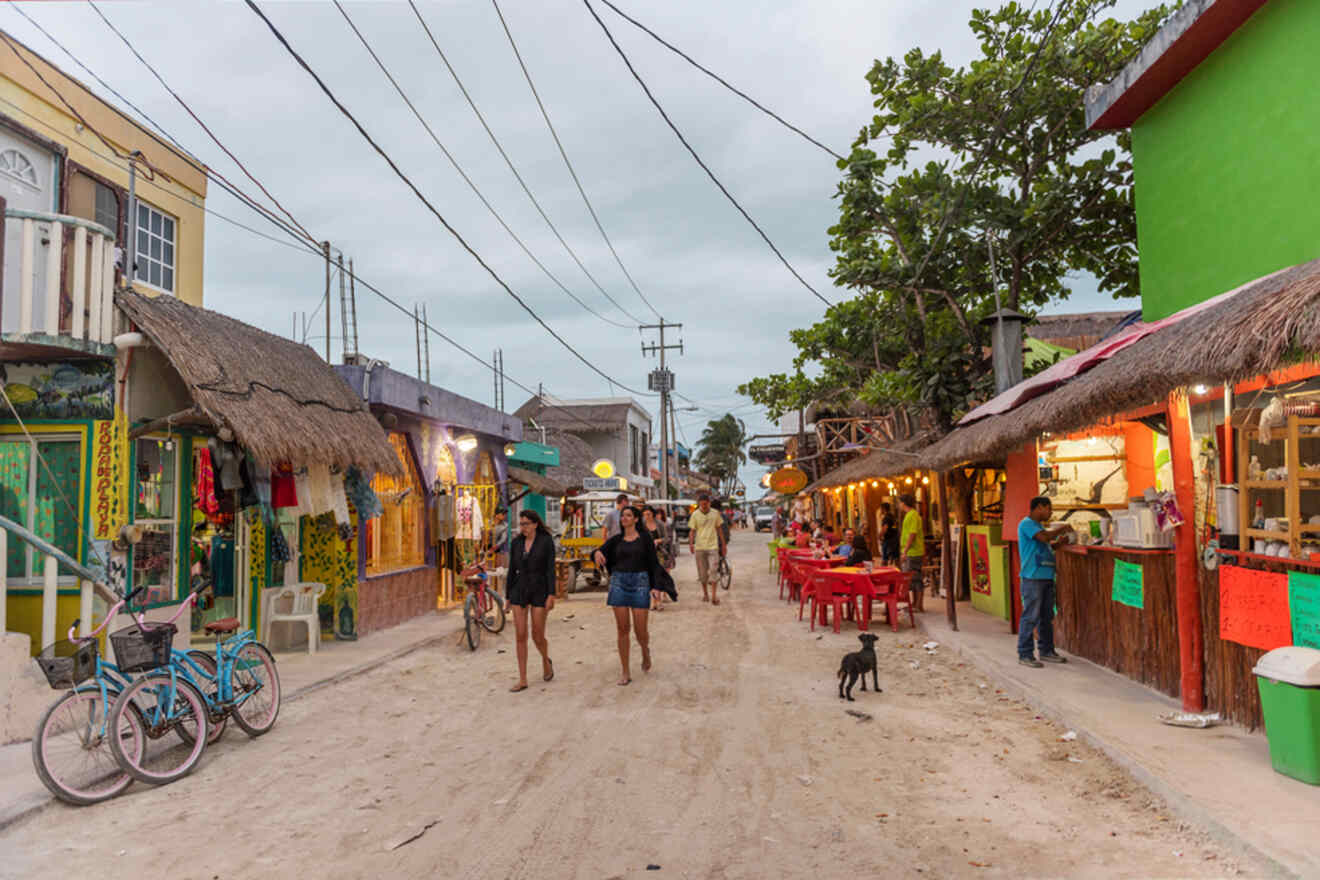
(968, 182)
(720, 450)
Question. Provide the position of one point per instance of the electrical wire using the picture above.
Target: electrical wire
(427, 202)
(719, 79)
(513, 168)
(463, 174)
(578, 183)
(197, 119)
(703, 165)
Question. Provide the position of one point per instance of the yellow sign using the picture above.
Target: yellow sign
(603, 468)
(788, 481)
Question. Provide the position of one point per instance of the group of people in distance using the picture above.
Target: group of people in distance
(638, 553)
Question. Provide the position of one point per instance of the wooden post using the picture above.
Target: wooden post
(1186, 584)
(946, 577)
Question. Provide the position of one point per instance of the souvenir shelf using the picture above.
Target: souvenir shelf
(1292, 494)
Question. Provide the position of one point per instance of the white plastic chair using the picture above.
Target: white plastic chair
(304, 598)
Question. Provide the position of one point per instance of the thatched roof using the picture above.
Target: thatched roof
(1076, 330)
(283, 403)
(575, 457)
(1264, 325)
(876, 464)
(535, 482)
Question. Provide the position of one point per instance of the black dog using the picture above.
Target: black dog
(857, 664)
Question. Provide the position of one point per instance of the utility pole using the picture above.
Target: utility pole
(417, 331)
(662, 380)
(352, 302)
(343, 305)
(426, 343)
(497, 367)
(325, 248)
(673, 434)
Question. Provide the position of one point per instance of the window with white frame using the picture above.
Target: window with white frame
(40, 488)
(155, 491)
(155, 247)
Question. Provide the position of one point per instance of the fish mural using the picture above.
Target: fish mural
(74, 390)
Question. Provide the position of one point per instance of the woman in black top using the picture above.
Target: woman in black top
(860, 552)
(631, 560)
(888, 535)
(531, 586)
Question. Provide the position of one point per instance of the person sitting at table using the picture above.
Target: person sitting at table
(845, 549)
(860, 552)
(802, 537)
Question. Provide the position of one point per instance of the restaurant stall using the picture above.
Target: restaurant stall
(1193, 523)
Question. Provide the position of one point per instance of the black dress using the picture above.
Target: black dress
(531, 573)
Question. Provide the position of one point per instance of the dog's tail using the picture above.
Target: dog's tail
(842, 671)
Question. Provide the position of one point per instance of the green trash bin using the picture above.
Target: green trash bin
(1289, 682)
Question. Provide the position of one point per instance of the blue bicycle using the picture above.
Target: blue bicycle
(239, 681)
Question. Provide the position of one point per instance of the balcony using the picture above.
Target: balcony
(57, 290)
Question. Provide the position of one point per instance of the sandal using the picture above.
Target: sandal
(517, 687)
(646, 660)
(551, 674)
(626, 681)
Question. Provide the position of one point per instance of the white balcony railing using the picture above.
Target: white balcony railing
(65, 278)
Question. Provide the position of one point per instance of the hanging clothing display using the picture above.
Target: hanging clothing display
(319, 500)
(279, 546)
(444, 519)
(338, 500)
(204, 487)
(222, 566)
(361, 494)
(470, 520)
(283, 490)
(226, 458)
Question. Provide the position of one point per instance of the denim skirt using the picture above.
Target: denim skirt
(629, 589)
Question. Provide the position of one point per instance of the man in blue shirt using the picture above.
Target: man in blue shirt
(845, 549)
(1036, 549)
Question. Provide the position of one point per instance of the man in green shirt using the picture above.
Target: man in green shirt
(705, 540)
(912, 549)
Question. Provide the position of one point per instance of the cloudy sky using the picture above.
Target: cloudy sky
(693, 256)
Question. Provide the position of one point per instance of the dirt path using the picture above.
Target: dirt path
(733, 758)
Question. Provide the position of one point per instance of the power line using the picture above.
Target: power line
(189, 111)
(554, 134)
(513, 168)
(703, 165)
(463, 174)
(425, 201)
(719, 79)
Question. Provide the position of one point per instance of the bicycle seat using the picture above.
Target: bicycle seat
(224, 625)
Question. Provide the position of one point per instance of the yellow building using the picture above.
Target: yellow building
(52, 162)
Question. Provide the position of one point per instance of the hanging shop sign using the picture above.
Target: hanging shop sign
(788, 481)
(603, 468)
(596, 484)
(767, 453)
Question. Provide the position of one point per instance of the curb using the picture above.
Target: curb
(1185, 807)
(34, 804)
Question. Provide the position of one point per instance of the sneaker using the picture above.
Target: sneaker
(1031, 661)
(1053, 658)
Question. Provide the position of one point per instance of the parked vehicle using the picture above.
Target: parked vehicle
(765, 519)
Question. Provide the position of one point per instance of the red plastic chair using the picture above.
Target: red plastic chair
(827, 592)
(784, 571)
(895, 595)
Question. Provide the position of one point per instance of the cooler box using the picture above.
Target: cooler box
(1289, 682)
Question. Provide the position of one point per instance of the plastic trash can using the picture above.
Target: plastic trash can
(1289, 682)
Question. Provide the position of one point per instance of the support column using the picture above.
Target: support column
(946, 568)
(1187, 589)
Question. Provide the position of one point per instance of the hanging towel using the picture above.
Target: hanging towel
(205, 484)
(318, 488)
(338, 499)
(304, 491)
(362, 495)
(283, 491)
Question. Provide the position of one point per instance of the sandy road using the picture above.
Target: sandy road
(733, 758)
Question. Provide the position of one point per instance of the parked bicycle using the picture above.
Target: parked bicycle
(239, 681)
(71, 749)
(483, 608)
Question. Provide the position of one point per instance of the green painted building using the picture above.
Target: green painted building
(534, 458)
(1225, 142)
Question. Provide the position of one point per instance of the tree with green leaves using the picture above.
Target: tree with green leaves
(720, 450)
(972, 188)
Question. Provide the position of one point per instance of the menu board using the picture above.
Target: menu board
(1128, 588)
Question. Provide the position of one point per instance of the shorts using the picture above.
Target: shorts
(629, 589)
(913, 564)
(707, 562)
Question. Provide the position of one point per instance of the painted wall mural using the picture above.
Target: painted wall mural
(76, 390)
(328, 559)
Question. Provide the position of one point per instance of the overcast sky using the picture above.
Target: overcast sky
(691, 253)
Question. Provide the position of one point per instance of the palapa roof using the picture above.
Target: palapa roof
(283, 403)
(534, 481)
(575, 457)
(876, 464)
(1266, 324)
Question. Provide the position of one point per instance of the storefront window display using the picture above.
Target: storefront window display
(396, 539)
(154, 496)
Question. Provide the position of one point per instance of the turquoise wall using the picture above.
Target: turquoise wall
(1227, 165)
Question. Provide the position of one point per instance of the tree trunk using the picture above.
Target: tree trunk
(960, 495)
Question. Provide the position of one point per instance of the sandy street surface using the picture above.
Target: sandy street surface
(732, 758)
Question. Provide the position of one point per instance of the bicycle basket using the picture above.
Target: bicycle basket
(138, 649)
(67, 663)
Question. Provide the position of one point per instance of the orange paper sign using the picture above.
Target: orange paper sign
(1253, 608)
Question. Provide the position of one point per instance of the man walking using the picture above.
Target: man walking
(912, 549)
(1036, 548)
(706, 542)
(612, 526)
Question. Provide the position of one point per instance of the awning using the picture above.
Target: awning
(539, 484)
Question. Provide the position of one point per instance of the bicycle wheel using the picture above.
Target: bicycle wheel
(256, 689)
(163, 704)
(73, 758)
(725, 573)
(471, 623)
(493, 619)
(211, 688)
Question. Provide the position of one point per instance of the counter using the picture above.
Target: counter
(1138, 642)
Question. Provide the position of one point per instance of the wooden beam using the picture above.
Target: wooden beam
(183, 415)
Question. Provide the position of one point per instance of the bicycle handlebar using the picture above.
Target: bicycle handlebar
(109, 615)
(200, 585)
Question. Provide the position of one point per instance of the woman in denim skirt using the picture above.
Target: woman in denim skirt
(631, 560)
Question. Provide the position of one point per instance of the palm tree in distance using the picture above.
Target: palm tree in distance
(720, 450)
